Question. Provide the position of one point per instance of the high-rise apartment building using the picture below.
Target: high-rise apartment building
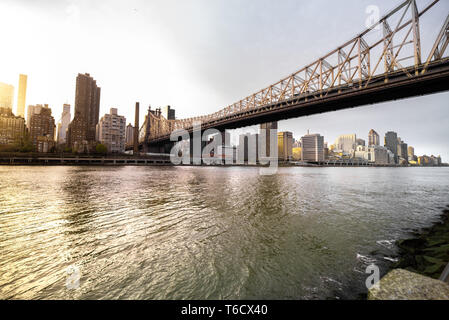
(402, 150)
(411, 153)
(42, 129)
(391, 143)
(22, 94)
(63, 126)
(12, 128)
(312, 148)
(248, 148)
(111, 131)
(285, 146)
(129, 135)
(82, 130)
(373, 138)
(6, 96)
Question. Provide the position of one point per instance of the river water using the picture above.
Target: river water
(206, 232)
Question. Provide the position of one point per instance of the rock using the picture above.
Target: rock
(401, 284)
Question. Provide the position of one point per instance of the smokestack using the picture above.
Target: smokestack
(136, 130)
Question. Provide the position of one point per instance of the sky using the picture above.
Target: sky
(200, 56)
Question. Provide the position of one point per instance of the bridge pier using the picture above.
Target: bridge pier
(268, 127)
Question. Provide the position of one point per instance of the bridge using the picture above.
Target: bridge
(382, 63)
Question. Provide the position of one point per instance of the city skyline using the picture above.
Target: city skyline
(180, 57)
(291, 126)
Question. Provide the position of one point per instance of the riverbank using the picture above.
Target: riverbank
(427, 252)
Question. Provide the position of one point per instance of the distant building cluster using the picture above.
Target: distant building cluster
(40, 133)
(82, 134)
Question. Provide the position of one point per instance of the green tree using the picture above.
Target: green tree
(101, 148)
(26, 145)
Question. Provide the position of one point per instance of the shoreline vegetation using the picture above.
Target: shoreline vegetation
(427, 251)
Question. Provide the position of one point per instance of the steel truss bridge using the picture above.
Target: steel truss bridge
(384, 62)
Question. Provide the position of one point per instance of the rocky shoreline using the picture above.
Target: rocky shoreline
(427, 253)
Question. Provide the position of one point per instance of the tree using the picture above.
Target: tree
(101, 148)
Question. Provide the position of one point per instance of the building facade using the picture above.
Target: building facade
(391, 143)
(374, 154)
(6, 96)
(81, 135)
(402, 151)
(42, 129)
(33, 109)
(360, 142)
(12, 128)
(285, 146)
(129, 135)
(111, 131)
(21, 96)
(346, 143)
(411, 154)
(373, 138)
(312, 148)
(63, 126)
(248, 149)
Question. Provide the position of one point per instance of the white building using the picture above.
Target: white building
(111, 131)
(312, 148)
(346, 143)
(64, 124)
(6, 96)
(374, 154)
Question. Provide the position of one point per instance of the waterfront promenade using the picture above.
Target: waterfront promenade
(59, 159)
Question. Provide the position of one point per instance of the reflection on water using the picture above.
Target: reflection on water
(206, 233)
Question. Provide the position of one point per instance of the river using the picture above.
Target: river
(206, 232)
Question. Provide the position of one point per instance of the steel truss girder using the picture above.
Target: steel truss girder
(355, 62)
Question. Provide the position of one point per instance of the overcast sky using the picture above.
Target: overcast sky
(202, 55)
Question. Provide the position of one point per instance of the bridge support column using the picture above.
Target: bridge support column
(268, 127)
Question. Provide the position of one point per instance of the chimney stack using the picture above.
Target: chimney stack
(136, 130)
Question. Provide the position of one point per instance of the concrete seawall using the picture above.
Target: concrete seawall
(83, 160)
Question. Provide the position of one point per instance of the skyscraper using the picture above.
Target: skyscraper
(373, 138)
(411, 153)
(64, 125)
(129, 135)
(402, 150)
(111, 131)
(248, 148)
(6, 96)
(82, 130)
(21, 97)
(285, 146)
(312, 148)
(42, 129)
(391, 143)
